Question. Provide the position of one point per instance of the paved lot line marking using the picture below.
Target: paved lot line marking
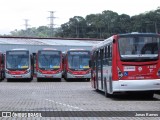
(64, 104)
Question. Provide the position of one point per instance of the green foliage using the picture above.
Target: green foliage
(100, 25)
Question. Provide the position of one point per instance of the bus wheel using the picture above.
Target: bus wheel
(88, 79)
(107, 94)
(148, 95)
(39, 79)
(1, 76)
(143, 95)
(31, 78)
(8, 80)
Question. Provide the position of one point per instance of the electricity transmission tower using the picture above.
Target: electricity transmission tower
(26, 26)
(26, 23)
(51, 23)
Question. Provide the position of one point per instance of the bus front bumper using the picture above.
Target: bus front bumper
(58, 75)
(85, 76)
(8, 76)
(135, 85)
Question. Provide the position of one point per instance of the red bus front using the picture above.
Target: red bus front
(77, 65)
(49, 64)
(18, 64)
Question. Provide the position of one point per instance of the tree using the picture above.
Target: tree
(100, 25)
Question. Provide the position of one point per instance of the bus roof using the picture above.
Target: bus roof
(77, 50)
(17, 49)
(49, 49)
(110, 39)
(139, 34)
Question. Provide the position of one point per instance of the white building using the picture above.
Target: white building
(34, 44)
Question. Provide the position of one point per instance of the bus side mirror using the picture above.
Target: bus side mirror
(90, 63)
(114, 41)
(34, 54)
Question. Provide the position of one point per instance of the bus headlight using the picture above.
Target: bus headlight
(27, 71)
(7, 71)
(39, 71)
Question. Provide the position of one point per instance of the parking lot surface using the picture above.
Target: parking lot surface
(69, 96)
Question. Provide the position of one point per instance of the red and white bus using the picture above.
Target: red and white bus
(127, 63)
(18, 64)
(49, 64)
(1, 66)
(76, 64)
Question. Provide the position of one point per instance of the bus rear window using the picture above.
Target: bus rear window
(138, 48)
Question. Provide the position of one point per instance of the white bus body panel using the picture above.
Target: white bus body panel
(135, 85)
(128, 85)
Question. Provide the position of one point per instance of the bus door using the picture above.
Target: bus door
(107, 66)
(34, 64)
(101, 70)
(92, 65)
(97, 68)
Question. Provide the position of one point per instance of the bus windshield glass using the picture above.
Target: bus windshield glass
(17, 60)
(78, 60)
(48, 60)
(138, 48)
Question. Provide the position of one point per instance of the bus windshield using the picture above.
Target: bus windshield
(139, 48)
(16, 60)
(49, 61)
(78, 62)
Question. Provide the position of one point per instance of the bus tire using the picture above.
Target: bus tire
(88, 80)
(149, 95)
(1, 76)
(143, 95)
(39, 79)
(8, 80)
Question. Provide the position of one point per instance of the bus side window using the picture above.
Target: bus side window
(2, 59)
(110, 55)
(104, 56)
(96, 59)
(105, 60)
(99, 58)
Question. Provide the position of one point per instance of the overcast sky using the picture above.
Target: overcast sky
(14, 12)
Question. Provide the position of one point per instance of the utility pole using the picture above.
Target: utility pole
(26, 26)
(156, 21)
(26, 23)
(51, 22)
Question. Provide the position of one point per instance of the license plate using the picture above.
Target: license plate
(48, 76)
(18, 76)
(79, 76)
